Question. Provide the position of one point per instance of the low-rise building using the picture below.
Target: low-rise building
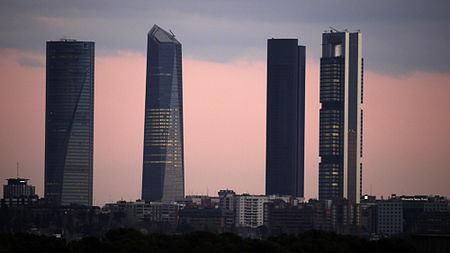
(250, 210)
(368, 215)
(345, 216)
(209, 219)
(227, 199)
(17, 193)
(389, 217)
(161, 212)
(284, 217)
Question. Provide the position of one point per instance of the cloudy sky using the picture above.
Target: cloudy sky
(407, 88)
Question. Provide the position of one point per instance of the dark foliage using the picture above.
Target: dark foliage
(21, 242)
(130, 240)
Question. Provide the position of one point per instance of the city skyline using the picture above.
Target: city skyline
(406, 95)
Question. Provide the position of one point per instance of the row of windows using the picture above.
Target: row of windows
(332, 172)
(331, 67)
(161, 116)
(330, 140)
(159, 113)
(334, 178)
(164, 140)
(157, 133)
(330, 134)
(162, 109)
(161, 74)
(160, 144)
(330, 80)
(147, 162)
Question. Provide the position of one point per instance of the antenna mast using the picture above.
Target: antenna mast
(334, 29)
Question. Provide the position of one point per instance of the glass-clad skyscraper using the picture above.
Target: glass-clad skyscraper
(341, 93)
(285, 117)
(69, 122)
(163, 163)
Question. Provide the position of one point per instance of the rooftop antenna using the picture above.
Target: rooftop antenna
(334, 29)
(67, 38)
(173, 35)
(17, 169)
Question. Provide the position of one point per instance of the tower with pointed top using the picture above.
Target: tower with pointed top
(69, 122)
(163, 162)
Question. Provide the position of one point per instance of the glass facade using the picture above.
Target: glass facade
(340, 136)
(69, 124)
(285, 117)
(331, 135)
(163, 163)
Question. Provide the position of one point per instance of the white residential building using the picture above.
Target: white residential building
(250, 210)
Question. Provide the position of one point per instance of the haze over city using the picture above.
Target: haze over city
(406, 89)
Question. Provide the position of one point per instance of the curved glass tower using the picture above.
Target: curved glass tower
(69, 122)
(163, 163)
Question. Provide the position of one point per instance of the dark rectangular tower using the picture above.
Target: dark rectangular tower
(340, 141)
(285, 117)
(163, 163)
(69, 122)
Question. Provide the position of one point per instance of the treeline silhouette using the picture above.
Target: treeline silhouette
(130, 240)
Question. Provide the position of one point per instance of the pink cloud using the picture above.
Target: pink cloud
(407, 138)
(22, 103)
(224, 108)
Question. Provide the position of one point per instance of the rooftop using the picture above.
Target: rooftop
(161, 35)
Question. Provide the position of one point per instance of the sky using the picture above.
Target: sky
(406, 88)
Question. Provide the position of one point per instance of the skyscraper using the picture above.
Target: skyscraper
(69, 122)
(285, 117)
(163, 163)
(340, 141)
